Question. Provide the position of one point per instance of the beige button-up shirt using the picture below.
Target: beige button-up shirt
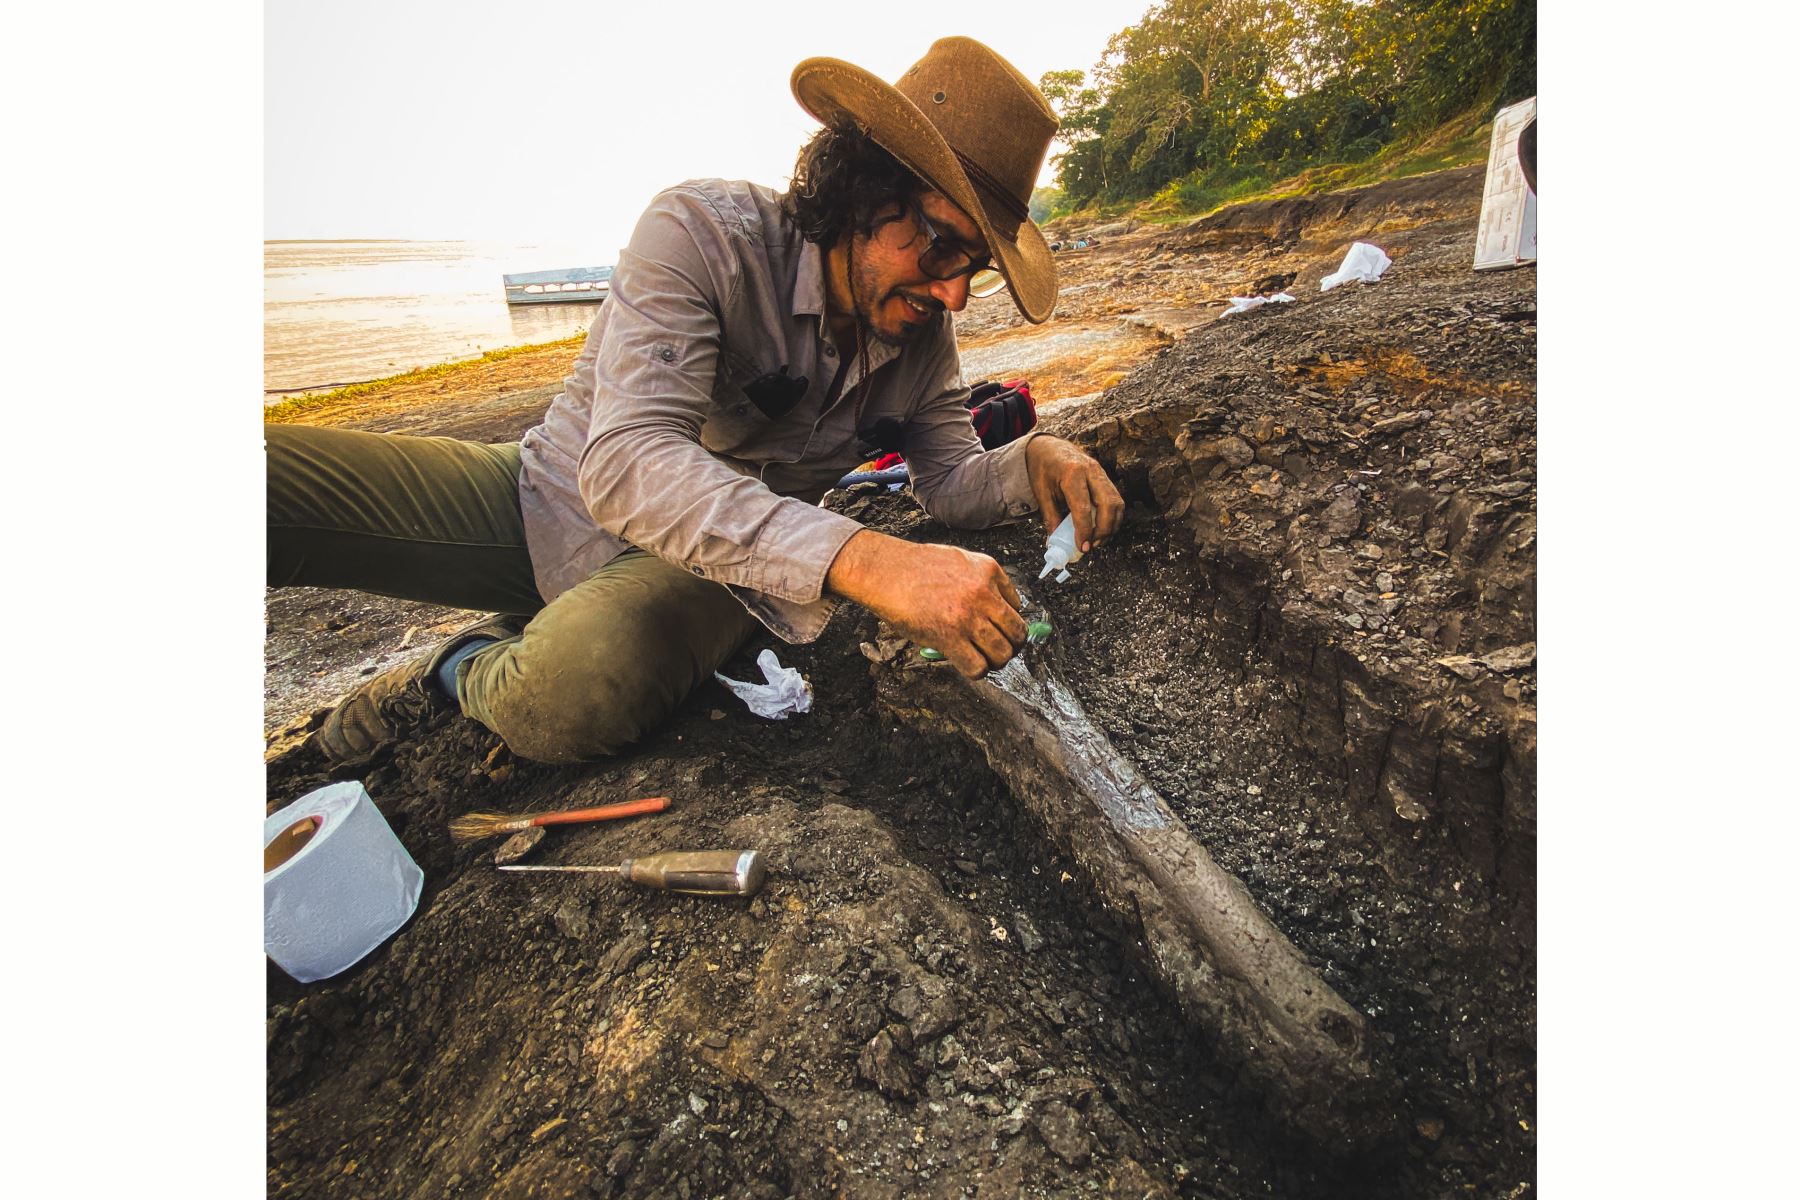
(655, 443)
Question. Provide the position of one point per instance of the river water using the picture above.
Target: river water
(346, 311)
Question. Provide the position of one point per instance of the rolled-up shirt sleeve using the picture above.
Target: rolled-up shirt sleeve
(643, 474)
(954, 479)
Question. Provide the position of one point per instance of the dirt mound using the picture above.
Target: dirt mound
(1313, 638)
(1382, 208)
(1358, 468)
(917, 1000)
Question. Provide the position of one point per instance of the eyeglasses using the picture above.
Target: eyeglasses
(945, 259)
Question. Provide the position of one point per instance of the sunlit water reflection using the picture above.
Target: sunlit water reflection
(343, 312)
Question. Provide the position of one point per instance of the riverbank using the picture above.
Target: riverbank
(507, 369)
(1314, 638)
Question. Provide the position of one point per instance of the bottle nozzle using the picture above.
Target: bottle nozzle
(1060, 550)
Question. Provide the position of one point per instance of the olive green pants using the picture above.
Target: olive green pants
(437, 519)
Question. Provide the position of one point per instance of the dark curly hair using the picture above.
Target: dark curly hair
(842, 181)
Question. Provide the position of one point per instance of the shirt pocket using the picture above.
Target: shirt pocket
(735, 426)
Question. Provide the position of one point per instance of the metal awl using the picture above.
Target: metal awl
(695, 872)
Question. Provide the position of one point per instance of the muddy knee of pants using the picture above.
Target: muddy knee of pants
(565, 716)
(604, 663)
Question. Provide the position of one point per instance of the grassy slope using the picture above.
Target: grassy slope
(289, 410)
(1456, 143)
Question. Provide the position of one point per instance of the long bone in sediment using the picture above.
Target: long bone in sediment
(1236, 976)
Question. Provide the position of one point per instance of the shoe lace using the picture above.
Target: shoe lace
(408, 705)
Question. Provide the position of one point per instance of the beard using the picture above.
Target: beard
(867, 296)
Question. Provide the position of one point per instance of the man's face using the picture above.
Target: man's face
(893, 295)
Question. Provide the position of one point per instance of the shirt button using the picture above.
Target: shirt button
(667, 354)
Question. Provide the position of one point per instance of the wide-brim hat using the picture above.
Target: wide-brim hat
(967, 123)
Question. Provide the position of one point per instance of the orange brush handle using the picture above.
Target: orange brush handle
(606, 812)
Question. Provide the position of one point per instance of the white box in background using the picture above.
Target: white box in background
(1507, 236)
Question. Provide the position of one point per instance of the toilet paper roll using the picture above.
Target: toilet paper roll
(349, 886)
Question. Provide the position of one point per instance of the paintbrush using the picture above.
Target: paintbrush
(475, 826)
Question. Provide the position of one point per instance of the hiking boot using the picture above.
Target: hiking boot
(399, 701)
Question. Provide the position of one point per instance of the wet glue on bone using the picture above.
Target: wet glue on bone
(1061, 550)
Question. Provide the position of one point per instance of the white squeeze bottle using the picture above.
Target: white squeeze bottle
(1061, 550)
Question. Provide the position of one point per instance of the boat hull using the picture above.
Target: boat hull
(571, 285)
(559, 298)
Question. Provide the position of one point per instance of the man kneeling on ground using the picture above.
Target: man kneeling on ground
(753, 348)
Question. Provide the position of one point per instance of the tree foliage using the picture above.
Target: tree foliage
(1209, 88)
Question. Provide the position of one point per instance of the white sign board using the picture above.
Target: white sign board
(1507, 235)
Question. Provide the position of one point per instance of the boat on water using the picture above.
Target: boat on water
(571, 285)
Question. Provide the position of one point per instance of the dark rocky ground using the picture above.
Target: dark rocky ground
(1315, 638)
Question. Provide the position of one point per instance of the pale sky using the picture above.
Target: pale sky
(557, 120)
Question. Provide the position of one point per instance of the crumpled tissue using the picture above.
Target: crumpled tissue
(1246, 303)
(786, 692)
(1364, 262)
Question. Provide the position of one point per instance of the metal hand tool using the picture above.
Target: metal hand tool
(696, 872)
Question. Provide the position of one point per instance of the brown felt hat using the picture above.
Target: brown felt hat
(966, 122)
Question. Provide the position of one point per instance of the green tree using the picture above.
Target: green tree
(1192, 83)
(1205, 88)
(1080, 173)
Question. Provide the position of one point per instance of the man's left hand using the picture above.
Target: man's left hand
(1068, 482)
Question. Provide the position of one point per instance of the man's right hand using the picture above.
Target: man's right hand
(955, 601)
